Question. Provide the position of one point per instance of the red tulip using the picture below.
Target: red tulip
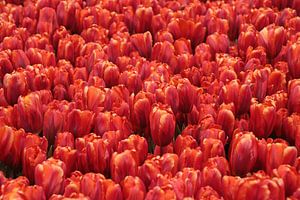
(133, 187)
(247, 37)
(293, 94)
(122, 165)
(207, 192)
(32, 156)
(161, 193)
(267, 188)
(293, 63)
(135, 142)
(142, 19)
(84, 122)
(110, 121)
(47, 21)
(219, 43)
(272, 38)
(243, 153)
(68, 156)
(162, 124)
(212, 148)
(278, 154)
(142, 42)
(50, 174)
(183, 142)
(98, 155)
(29, 113)
(191, 158)
(262, 119)
(149, 170)
(226, 119)
(169, 164)
(289, 176)
(14, 85)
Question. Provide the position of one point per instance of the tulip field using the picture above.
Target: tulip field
(149, 99)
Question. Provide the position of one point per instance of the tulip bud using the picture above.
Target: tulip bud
(68, 156)
(142, 42)
(162, 124)
(169, 163)
(226, 119)
(161, 193)
(272, 38)
(289, 176)
(29, 113)
(294, 95)
(122, 165)
(207, 192)
(212, 148)
(191, 158)
(278, 154)
(47, 21)
(14, 85)
(32, 156)
(293, 63)
(243, 153)
(149, 170)
(133, 187)
(219, 43)
(84, 122)
(135, 142)
(262, 119)
(183, 142)
(50, 174)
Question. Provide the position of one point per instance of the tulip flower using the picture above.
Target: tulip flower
(191, 158)
(84, 122)
(278, 154)
(243, 153)
(32, 156)
(293, 93)
(133, 187)
(262, 119)
(122, 165)
(50, 174)
(183, 142)
(162, 124)
(14, 86)
(272, 38)
(293, 63)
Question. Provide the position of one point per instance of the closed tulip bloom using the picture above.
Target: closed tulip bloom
(294, 95)
(135, 142)
(219, 43)
(272, 38)
(207, 192)
(68, 156)
(243, 153)
(32, 156)
(192, 158)
(292, 60)
(47, 21)
(98, 155)
(212, 148)
(122, 165)
(142, 42)
(262, 119)
(34, 192)
(226, 119)
(161, 193)
(183, 142)
(247, 37)
(278, 154)
(270, 188)
(149, 170)
(6, 142)
(64, 139)
(84, 122)
(162, 124)
(289, 176)
(169, 163)
(29, 113)
(14, 85)
(50, 174)
(133, 187)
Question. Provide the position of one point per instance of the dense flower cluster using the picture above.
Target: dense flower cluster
(149, 99)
